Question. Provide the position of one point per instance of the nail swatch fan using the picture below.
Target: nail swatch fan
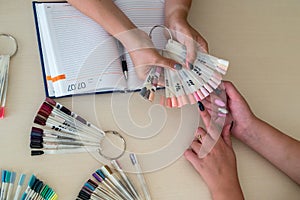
(110, 184)
(36, 189)
(59, 130)
(186, 85)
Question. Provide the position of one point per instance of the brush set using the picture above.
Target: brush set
(36, 189)
(184, 85)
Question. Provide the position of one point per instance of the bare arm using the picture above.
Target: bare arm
(136, 41)
(176, 13)
(107, 14)
(280, 149)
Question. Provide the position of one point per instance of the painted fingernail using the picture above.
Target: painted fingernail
(220, 103)
(201, 106)
(217, 91)
(178, 66)
(191, 66)
(223, 110)
(231, 126)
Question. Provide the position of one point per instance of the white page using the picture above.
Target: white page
(46, 54)
(74, 36)
(144, 14)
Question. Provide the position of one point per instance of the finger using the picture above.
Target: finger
(203, 44)
(192, 158)
(205, 116)
(196, 146)
(226, 135)
(200, 134)
(142, 71)
(191, 52)
(169, 63)
(231, 90)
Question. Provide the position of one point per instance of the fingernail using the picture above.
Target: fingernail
(231, 126)
(191, 66)
(201, 106)
(178, 66)
(217, 91)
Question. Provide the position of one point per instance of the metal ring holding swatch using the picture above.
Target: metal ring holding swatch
(160, 26)
(15, 43)
(124, 146)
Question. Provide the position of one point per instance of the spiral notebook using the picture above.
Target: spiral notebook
(78, 56)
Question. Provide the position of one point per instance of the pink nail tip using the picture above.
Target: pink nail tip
(2, 111)
(174, 102)
(191, 99)
(220, 103)
(196, 96)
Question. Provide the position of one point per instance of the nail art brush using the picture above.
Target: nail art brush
(109, 186)
(140, 176)
(11, 184)
(126, 179)
(99, 191)
(108, 173)
(19, 187)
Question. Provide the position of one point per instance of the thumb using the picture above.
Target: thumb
(232, 91)
(226, 135)
(169, 63)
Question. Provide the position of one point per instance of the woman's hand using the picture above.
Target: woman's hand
(176, 12)
(214, 159)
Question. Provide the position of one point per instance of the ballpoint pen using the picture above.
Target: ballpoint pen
(123, 59)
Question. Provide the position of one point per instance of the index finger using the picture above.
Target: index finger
(204, 115)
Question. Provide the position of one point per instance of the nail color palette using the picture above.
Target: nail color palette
(185, 85)
(36, 189)
(58, 130)
(106, 183)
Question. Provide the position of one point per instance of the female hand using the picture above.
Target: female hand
(143, 53)
(242, 116)
(176, 20)
(217, 165)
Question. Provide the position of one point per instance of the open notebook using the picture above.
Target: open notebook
(78, 56)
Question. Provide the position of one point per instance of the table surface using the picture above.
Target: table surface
(259, 38)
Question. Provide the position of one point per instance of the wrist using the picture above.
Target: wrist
(178, 16)
(135, 39)
(230, 191)
(248, 130)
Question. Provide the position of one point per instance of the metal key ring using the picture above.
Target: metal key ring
(14, 42)
(160, 26)
(124, 144)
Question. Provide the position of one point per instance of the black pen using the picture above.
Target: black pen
(123, 59)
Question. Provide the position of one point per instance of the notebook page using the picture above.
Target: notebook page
(74, 36)
(144, 14)
(47, 53)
